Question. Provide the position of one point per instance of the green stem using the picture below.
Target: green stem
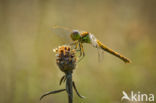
(69, 87)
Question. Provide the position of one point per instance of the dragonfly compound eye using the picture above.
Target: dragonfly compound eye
(66, 58)
(75, 35)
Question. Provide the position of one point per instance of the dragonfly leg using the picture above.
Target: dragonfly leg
(82, 54)
(63, 79)
(77, 91)
(52, 92)
(80, 49)
(74, 44)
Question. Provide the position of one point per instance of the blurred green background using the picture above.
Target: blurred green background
(27, 63)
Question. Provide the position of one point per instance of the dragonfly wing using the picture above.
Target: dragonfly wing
(94, 44)
(93, 40)
(62, 34)
(100, 54)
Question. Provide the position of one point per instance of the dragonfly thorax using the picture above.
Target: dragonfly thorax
(85, 37)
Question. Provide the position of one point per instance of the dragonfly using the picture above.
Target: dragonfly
(80, 37)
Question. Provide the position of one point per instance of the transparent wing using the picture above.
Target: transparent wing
(99, 50)
(62, 33)
(100, 54)
(93, 40)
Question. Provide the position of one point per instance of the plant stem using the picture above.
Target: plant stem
(69, 87)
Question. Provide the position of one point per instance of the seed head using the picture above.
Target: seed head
(66, 58)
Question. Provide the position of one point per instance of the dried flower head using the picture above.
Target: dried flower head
(66, 58)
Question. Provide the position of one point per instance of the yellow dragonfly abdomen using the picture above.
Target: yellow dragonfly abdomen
(102, 46)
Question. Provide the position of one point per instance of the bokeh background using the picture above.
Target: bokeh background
(27, 62)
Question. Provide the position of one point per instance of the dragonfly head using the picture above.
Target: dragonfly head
(75, 35)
